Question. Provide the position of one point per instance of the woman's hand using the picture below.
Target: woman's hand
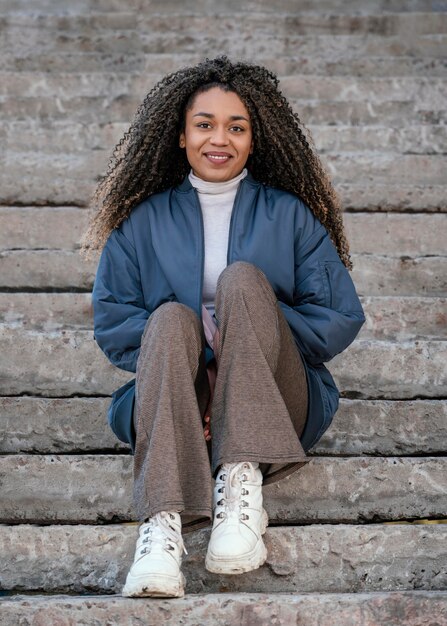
(207, 428)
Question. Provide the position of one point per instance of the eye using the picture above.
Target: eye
(203, 125)
(238, 129)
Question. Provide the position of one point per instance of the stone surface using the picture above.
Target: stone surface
(360, 609)
(324, 558)
(389, 370)
(387, 318)
(64, 363)
(349, 7)
(61, 137)
(385, 234)
(403, 276)
(402, 318)
(381, 427)
(47, 311)
(386, 427)
(65, 270)
(41, 169)
(426, 92)
(98, 488)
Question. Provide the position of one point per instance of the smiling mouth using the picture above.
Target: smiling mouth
(217, 158)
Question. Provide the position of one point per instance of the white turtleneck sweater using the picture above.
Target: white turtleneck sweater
(216, 201)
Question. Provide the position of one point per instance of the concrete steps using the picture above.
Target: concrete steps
(76, 489)
(368, 80)
(221, 609)
(78, 425)
(322, 558)
(67, 363)
(389, 318)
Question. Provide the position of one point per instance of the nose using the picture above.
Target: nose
(219, 137)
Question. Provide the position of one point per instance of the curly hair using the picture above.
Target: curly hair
(148, 158)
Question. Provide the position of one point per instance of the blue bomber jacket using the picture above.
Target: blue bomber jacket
(156, 255)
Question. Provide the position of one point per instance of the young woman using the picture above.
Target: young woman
(224, 284)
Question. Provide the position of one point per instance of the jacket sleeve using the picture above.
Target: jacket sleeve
(118, 307)
(326, 314)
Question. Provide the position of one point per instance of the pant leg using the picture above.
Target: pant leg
(260, 399)
(171, 462)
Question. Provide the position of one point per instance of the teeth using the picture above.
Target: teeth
(218, 158)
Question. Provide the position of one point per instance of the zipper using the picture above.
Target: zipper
(329, 287)
(202, 251)
(233, 220)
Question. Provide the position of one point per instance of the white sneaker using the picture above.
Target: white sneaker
(158, 556)
(240, 520)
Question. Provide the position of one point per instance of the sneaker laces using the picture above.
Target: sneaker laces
(232, 489)
(160, 522)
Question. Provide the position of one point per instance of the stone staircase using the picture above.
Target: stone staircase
(358, 535)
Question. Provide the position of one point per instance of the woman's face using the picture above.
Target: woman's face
(218, 135)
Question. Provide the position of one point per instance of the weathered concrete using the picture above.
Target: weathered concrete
(91, 488)
(290, 22)
(70, 363)
(40, 168)
(323, 558)
(45, 270)
(373, 275)
(387, 370)
(385, 234)
(40, 228)
(138, 61)
(59, 137)
(56, 425)
(387, 318)
(47, 311)
(371, 196)
(405, 276)
(55, 364)
(428, 92)
(381, 427)
(402, 318)
(121, 109)
(360, 609)
(368, 7)
(386, 427)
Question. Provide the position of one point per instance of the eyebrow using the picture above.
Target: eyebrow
(233, 118)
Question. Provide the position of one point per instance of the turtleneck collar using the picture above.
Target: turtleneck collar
(206, 187)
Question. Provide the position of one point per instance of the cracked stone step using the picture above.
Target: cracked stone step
(249, 37)
(62, 137)
(95, 489)
(323, 558)
(387, 234)
(381, 167)
(373, 275)
(387, 318)
(368, 7)
(66, 363)
(391, 608)
(425, 91)
(373, 427)
(344, 65)
(40, 179)
(293, 23)
(121, 109)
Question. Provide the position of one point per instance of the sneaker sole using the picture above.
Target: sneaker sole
(245, 563)
(154, 586)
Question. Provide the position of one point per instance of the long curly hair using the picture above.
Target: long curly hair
(148, 158)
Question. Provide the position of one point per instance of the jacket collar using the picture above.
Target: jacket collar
(185, 186)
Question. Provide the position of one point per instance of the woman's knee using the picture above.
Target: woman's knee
(240, 275)
(244, 280)
(172, 318)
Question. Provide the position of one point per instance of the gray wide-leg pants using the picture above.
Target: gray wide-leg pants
(259, 407)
